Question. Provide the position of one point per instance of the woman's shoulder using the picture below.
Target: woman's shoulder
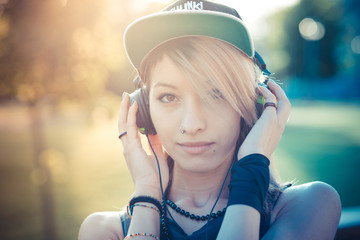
(312, 193)
(307, 197)
(314, 208)
(102, 225)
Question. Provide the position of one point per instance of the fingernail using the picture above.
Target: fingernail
(124, 94)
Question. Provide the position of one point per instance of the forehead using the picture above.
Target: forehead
(166, 71)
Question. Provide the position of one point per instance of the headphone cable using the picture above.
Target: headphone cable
(161, 186)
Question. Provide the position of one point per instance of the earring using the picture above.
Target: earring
(181, 130)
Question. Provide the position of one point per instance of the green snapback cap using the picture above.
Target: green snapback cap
(186, 18)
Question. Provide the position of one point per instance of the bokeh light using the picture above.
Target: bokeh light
(355, 44)
(311, 29)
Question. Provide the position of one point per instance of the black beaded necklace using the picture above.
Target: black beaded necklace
(193, 216)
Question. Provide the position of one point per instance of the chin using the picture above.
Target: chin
(200, 164)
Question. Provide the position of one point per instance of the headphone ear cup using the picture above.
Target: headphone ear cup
(143, 119)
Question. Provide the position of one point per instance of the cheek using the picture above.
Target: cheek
(231, 129)
(164, 127)
(163, 123)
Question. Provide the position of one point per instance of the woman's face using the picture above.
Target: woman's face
(211, 131)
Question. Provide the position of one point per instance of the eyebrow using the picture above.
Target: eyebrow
(161, 84)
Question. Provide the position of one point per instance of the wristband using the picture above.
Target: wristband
(144, 199)
(250, 178)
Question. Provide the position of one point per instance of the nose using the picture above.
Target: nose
(194, 117)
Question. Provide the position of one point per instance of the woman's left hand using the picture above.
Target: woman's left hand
(265, 135)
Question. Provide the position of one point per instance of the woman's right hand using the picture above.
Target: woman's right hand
(143, 167)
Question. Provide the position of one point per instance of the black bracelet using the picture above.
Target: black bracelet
(144, 199)
(250, 179)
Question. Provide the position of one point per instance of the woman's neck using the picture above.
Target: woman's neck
(199, 189)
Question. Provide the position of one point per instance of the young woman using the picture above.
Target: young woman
(209, 176)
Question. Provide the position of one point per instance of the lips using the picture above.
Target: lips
(195, 148)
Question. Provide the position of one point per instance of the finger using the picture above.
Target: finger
(268, 95)
(123, 113)
(132, 131)
(284, 105)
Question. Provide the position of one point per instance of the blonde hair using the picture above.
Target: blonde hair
(214, 66)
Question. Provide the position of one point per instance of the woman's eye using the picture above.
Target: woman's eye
(167, 98)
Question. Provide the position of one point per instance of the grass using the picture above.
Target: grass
(321, 142)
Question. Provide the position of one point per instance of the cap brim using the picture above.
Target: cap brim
(148, 32)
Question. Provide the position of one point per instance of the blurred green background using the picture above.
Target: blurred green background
(62, 72)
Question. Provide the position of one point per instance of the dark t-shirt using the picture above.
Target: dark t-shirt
(208, 231)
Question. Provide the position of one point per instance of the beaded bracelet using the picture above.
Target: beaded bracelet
(143, 205)
(146, 199)
(141, 234)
